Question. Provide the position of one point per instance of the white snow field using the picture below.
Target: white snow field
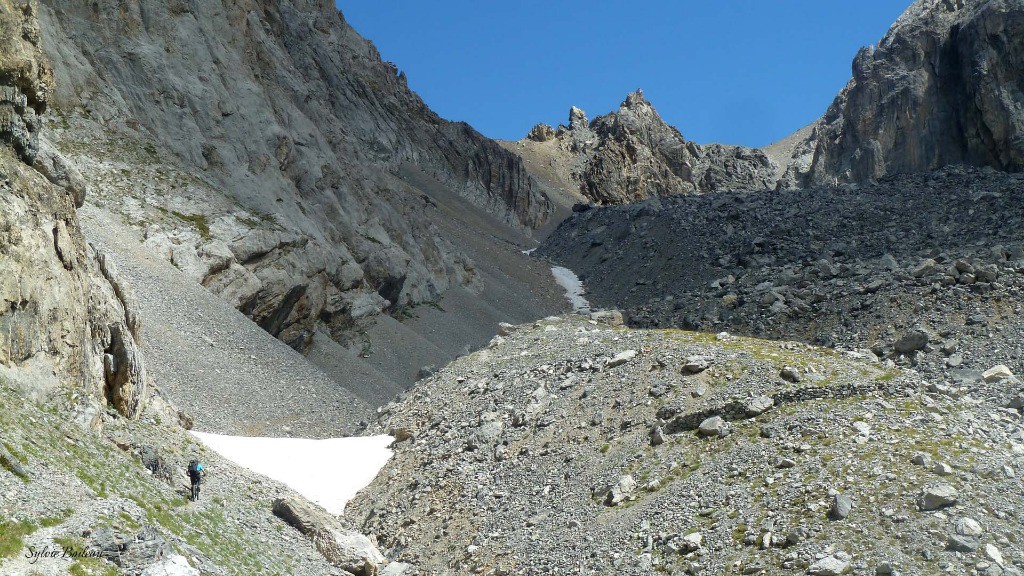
(573, 288)
(329, 472)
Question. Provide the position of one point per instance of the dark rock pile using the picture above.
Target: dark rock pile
(924, 269)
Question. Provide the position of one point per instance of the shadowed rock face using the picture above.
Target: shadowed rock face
(284, 109)
(944, 86)
(63, 323)
(632, 154)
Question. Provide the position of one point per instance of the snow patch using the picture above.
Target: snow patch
(329, 472)
(574, 290)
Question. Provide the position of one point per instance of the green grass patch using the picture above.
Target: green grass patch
(197, 220)
(12, 536)
(50, 521)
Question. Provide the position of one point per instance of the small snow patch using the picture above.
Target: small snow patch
(329, 472)
(574, 290)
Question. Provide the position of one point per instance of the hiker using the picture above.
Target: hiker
(195, 474)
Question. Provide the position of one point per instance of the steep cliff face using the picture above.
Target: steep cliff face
(632, 154)
(295, 131)
(944, 86)
(66, 323)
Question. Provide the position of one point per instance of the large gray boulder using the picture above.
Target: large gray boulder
(346, 549)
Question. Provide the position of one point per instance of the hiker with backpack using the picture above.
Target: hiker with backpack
(195, 474)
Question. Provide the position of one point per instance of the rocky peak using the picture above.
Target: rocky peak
(944, 86)
(541, 133)
(632, 154)
(635, 99)
(577, 119)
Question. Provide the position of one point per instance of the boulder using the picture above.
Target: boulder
(912, 341)
(997, 373)
(695, 365)
(621, 358)
(622, 490)
(176, 565)
(349, 551)
(301, 515)
(842, 505)
(345, 549)
(790, 374)
(713, 426)
(937, 495)
(926, 267)
(829, 566)
(610, 317)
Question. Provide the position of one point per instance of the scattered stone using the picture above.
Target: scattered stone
(997, 373)
(842, 505)
(829, 566)
(621, 358)
(937, 495)
(758, 405)
(713, 426)
(942, 469)
(790, 374)
(695, 365)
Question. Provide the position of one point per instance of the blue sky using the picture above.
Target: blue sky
(732, 71)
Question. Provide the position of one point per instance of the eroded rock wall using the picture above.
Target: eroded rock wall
(944, 86)
(282, 108)
(62, 324)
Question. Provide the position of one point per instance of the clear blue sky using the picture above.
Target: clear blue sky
(732, 71)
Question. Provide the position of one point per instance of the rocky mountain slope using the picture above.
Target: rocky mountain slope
(923, 269)
(942, 87)
(581, 448)
(632, 154)
(90, 453)
(266, 151)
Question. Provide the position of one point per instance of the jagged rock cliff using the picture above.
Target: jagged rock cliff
(66, 322)
(944, 86)
(289, 136)
(632, 154)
